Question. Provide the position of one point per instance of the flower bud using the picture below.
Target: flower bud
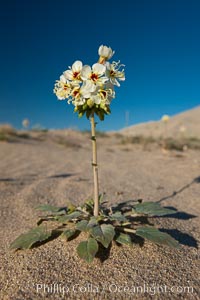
(105, 53)
(90, 102)
(85, 106)
(80, 114)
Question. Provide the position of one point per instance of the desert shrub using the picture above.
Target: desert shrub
(7, 129)
(98, 133)
(181, 144)
(39, 128)
(7, 133)
(3, 137)
(118, 135)
(67, 143)
(101, 134)
(193, 143)
(138, 139)
(23, 135)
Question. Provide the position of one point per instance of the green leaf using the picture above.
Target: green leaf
(88, 113)
(50, 208)
(82, 225)
(100, 114)
(92, 222)
(26, 240)
(123, 238)
(67, 234)
(118, 216)
(157, 236)
(89, 205)
(103, 233)
(40, 221)
(88, 249)
(101, 197)
(66, 218)
(81, 114)
(153, 209)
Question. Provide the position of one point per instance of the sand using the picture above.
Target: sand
(35, 171)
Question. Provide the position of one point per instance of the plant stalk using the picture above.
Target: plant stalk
(127, 230)
(95, 167)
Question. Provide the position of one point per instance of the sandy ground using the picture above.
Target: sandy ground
(34, 172)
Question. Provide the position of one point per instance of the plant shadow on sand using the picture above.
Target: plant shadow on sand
(182, 238)
(55, 234)
(103, 254)
(34, 177)
(7, 179)
(64, 175)
(195, 180)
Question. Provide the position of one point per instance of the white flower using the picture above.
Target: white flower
(81, 93)
(95, 74)
(106, 94)
(109, 87)
(114, 73)
(101, 96)
(74, 72)
(105, 53)
(62, 88)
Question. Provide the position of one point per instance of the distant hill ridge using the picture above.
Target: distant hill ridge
(186, 124)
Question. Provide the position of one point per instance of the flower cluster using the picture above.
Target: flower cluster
(91, 89)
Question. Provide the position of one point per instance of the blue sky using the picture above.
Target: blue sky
(157, 40)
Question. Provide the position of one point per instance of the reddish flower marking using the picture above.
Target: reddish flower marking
(94, 77)
(75, 93)
(75, 74)
(103, 93)
(112, 73)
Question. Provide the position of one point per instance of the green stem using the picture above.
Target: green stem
(95, 168)
(127, 230)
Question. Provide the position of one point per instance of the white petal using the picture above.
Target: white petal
(87, 88)
(60, 98)
(63, 79)
(85, 72)
(121, 78)
(104, 79)
(77, 66)
(96, 99)
(108, 65)
(68, 74)
(115, 82)
(81, 101)
(109, 85)
(103, 51)
(98, 69)
(100, 50)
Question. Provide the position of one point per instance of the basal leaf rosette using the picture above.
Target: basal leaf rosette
(91, 88)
